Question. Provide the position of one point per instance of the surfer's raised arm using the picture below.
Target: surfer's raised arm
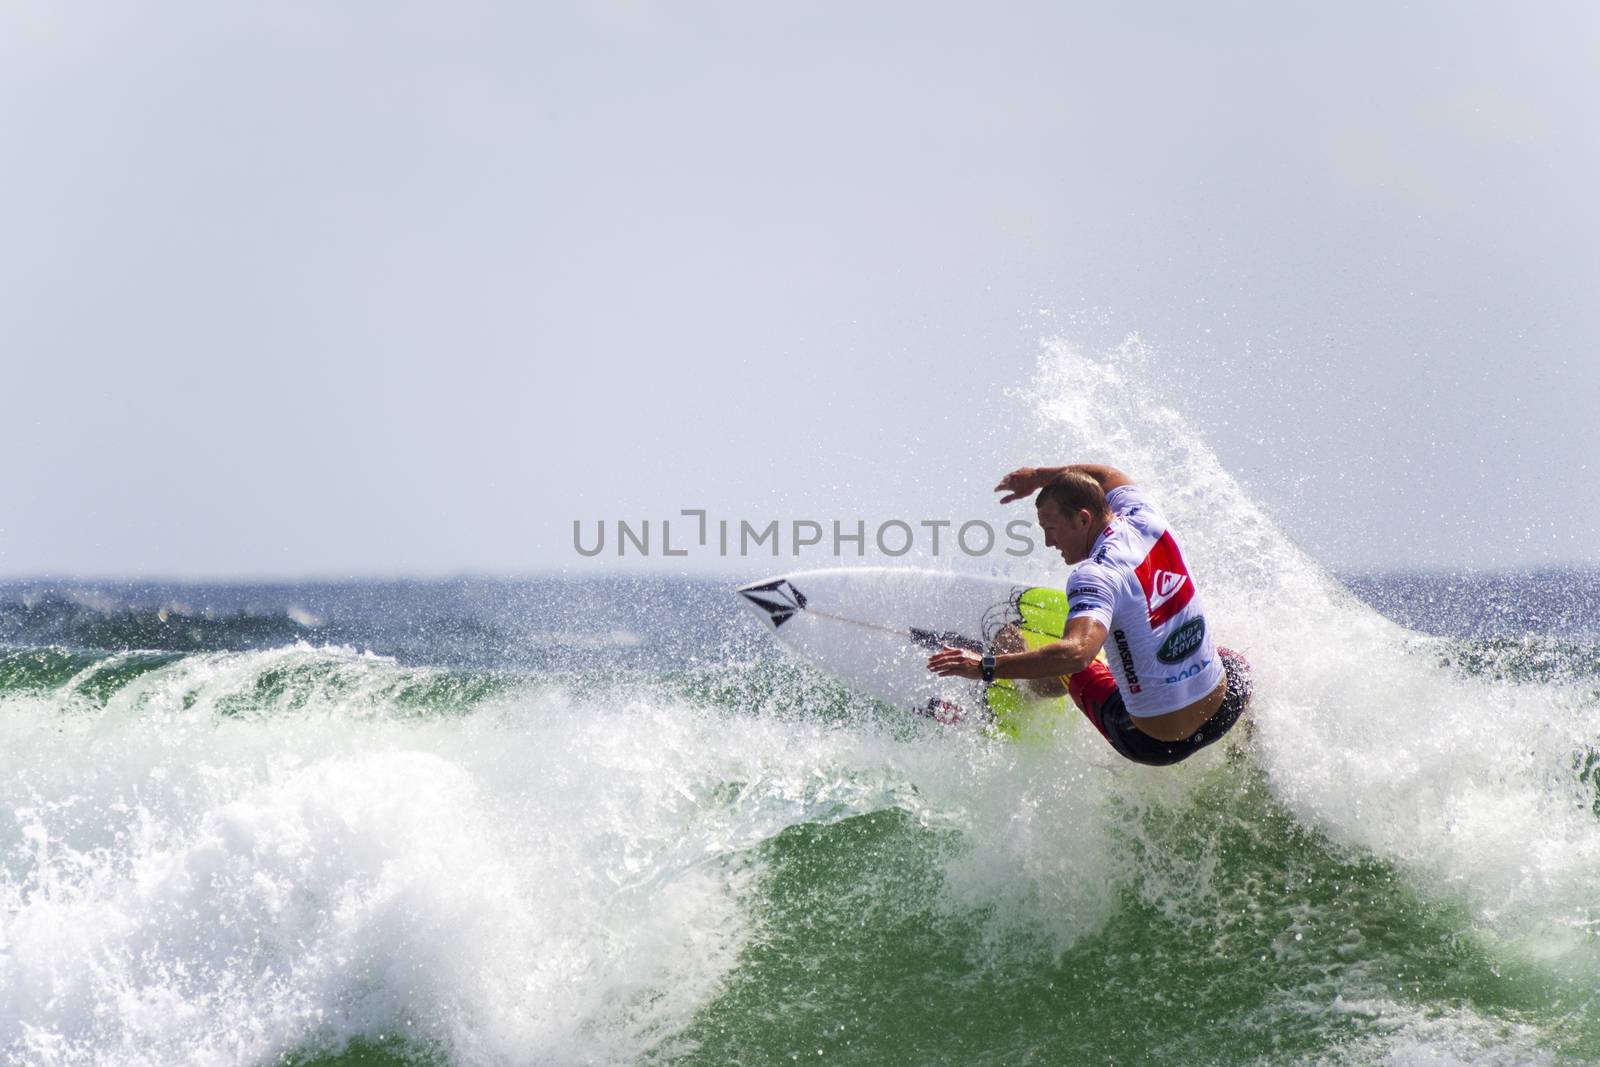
(1025, 481)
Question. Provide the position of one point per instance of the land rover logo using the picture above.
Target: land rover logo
(1181, 645)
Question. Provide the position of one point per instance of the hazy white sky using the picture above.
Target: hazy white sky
(315, 289)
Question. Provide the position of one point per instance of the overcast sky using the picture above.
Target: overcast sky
(317, 289)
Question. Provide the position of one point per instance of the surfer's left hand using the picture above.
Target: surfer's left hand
(957, 662)
(1024, 482)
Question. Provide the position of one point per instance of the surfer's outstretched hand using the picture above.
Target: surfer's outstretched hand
(959, 662)
(1024, 481)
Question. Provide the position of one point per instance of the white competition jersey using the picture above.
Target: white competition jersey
(1136, 583)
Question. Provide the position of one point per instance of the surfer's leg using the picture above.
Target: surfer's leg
(1090, 689)
(1240, 686)
(1240, 682)
(1095, 692)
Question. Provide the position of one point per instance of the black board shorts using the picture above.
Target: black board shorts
(1113, 720)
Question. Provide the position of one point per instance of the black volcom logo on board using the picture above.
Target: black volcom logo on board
(779, 599)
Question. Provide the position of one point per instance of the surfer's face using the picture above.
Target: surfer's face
(1067, 534)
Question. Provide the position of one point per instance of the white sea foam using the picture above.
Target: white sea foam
(240, 854)
(1403, 1035)
(1466, 782)
(185, 884)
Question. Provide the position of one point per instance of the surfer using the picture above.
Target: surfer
(1168, 691)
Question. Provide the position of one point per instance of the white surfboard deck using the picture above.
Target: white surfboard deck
(875, 627)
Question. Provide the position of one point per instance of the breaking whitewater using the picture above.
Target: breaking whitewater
(584, 821)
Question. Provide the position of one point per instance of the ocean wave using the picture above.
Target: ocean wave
(682, 849)
(296, 678)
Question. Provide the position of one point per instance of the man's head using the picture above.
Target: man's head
(1072, 512)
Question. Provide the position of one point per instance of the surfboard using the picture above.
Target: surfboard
(874, 628)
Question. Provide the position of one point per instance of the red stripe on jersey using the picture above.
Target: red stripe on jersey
(1165, 580)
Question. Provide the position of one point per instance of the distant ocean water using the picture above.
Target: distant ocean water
(605, 821)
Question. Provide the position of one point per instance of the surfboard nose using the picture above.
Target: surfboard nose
(775, 601)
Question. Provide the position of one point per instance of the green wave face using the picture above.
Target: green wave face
(601, 849)
(1283, 948)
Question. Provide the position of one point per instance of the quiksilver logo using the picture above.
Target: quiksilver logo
(1125, 655)
(1167, 584)
(1165, 580)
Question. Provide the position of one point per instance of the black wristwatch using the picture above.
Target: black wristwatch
(986, 665)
